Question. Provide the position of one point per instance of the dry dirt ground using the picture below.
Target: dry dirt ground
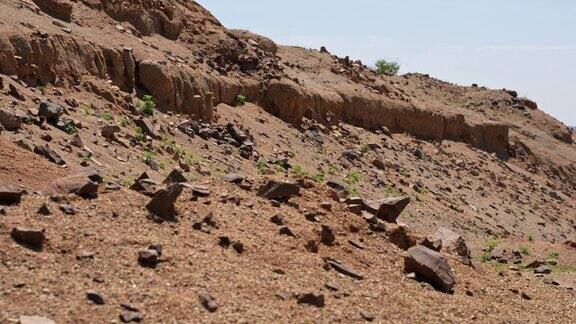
(312, 118)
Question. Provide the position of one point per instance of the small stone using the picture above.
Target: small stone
(278, 190)
(67, 209)
(238, 247)
(388, 209)
(148, 258)
(129, 316)
(327, 235)
(367, 316)
(284, 230)
(312, 246)
(50, 111)
(162, 204)
(311, 299)
(10, 195)
(208, 302)
(33, 238)
(343, 269)
(34, 320)
(278, 220)
(95, 297)
(543, 270)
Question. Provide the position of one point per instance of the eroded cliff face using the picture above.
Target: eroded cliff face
(191, 63)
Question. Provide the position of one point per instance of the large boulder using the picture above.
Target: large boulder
(429, 266)
(388, 209)
(147, 127)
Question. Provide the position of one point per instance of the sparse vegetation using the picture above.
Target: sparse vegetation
(385, 66)
(69, 128)
(106, 115)
(261, 166)
(524, 250)
(352, 178)
(124, 121)
(491, 244)
(319, 177)
(148, 105)
(530, 238)
(240, 100)
(147, 156)
(553, 255)
(139, 134)
(484, 257)
(332, 169)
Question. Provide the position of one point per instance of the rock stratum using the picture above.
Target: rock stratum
(158, 167)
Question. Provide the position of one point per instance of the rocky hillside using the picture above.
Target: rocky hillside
(158, 167)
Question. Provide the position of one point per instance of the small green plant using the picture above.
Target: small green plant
(524, 250)
(106, 115)
(491, 244)
(139, 134)
(240, 100)
(127, 182)
(365, 148)
(148, 105)
(69, 128)
(332, 169)
(298, 170)
(485, 257)
(261, 166)
(85, 109)
(352, 191)
(124, 121)
(319, 177)
(531, 238)
(352, 178)
(391, 190)
(553, 255)
(389, 67)
(147, 157)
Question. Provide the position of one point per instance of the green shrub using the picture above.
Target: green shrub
(106, 115)
(485, 257)
(240, 100)
(352, 177)
(148, 105)
(69, 128)
(491, 244)
(387, 67)
(531, 238)
(524, 250)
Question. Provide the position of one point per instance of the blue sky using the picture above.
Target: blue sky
(525, 45)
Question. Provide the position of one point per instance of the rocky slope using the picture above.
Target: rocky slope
(156, 166)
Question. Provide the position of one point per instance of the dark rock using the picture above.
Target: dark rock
(224, 241)
(109, 131)
(162, 204)
(148, 258)
(14, 92)
(351, 155)
(50, 111)
(67, 209)
(95, 297)
(398, 235)
(388, 209)
(48, 153)
(176, 176)
(343, 269)
(311, 299)
(327, 235)
(208, 302)
(84, 183)
(144, 185)
(10, 195)
(238, 247)
(200, 191)
(315, 136)
(10, 119)
(44, 210)
(429, 266)
(33, 238)
(76, 141)
(311, 246)
(278, 220)
(285, 230)
(278, 190)
(147, 127)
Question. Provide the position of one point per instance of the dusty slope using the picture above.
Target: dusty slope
(97, 61)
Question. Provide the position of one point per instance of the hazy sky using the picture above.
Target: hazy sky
(525, 45)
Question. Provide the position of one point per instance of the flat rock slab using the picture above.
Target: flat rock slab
(278, 190)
